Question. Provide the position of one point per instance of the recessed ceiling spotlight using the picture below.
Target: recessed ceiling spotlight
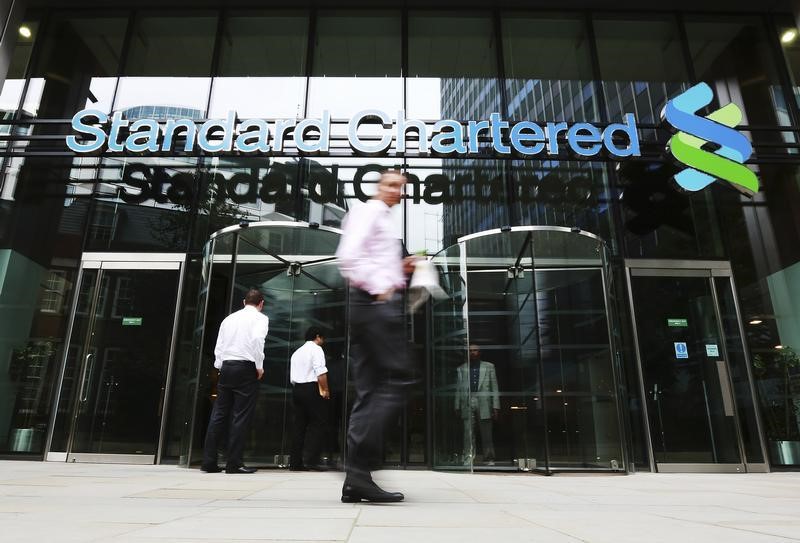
(789, 36)
(25, 31)
(756, 321)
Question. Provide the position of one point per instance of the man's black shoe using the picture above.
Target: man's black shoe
(241, 469)
(317, 467)
(369, 492)
(298, 468)
(211, 469)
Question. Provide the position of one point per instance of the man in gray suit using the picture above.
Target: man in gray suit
(478, 400)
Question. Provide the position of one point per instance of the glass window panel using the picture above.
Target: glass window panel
(332, 186)
(261, 74)
(40, 240)
(548, 56)
(450, 198)
(168, 66)
(15, 79)
(662, 222)
(641, 65)
(142, 204)
(76, 68)
(357, 64)
(732, 55)
(788, 36)
(244, 189)
(564, 193)
(763, 239)
(452, 66)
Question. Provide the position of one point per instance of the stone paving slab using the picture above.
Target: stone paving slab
(55, 502)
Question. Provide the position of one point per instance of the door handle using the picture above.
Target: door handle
(725, 387)
(87, 375)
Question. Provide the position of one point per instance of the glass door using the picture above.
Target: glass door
(527, 313)
(293, 265)
(123, 328)
(690, 404)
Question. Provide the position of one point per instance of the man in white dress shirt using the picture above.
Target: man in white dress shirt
(309, 377)
(239, 357)
(370, 257)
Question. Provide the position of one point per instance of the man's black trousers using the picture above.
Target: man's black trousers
(310, 424)
(381, 373)
(237, 391)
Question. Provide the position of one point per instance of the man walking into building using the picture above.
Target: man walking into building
(309, 377)
(239, 357)
(370, 257)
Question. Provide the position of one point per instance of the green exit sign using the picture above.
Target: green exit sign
(681, 323)
(131, 321)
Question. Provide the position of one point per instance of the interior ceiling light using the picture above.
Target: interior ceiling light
(779, 346)
(789, 36)
(756, 321)
(25, 31)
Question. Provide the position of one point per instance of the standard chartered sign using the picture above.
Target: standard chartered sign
(369, 132)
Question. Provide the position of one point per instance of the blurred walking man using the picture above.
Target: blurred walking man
(239, 357)
(371, 259)
(309, 377)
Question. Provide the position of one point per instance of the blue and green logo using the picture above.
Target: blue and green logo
(689, 145)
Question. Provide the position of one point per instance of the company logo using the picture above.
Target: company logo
(689, 145)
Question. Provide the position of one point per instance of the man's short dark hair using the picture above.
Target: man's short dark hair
(392, 171)
(313, 332)
(253, 297)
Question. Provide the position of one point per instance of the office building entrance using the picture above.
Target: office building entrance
(515, 364)
(113, 388)
(694, 372)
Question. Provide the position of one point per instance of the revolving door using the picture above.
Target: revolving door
(523, 372)
(516, 364)
(293, 266)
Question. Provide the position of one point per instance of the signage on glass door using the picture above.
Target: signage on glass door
(369, 132)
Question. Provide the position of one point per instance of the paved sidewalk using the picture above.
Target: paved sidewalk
(55, 502)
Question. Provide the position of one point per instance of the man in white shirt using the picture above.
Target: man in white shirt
(370, 257)
(239, 357)
(309, 377)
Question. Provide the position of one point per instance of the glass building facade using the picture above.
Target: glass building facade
(628, 325)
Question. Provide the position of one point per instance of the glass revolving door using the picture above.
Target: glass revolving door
(523, 373)
(293, 265)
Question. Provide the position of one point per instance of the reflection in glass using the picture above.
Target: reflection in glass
(168, 67)
(452, 66)
(11, 92)
(294, 268)
(543, 86)
(37, 287)
(767, 266)
(244, 189)
(142, 204)
(732, 54)
(788, 34)
(564, 193)
(690, 410)
(125, 365)
(357, 59)
(653, 69)
(261, 74)
(530, 306)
